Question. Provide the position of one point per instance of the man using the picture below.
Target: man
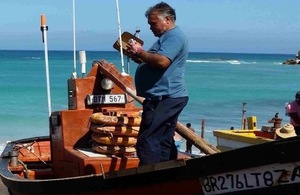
(292, 110)
(189, 144)
(159, 78)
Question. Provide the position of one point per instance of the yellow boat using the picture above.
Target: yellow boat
(233, 139)
(238, 138)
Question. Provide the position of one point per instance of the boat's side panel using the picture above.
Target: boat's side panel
(187, 187)
(161, 178)
(248, 136)
(275, 172)
(233, 139)
(94, 165)
(266, 176)
(229, 144)
(71, 130)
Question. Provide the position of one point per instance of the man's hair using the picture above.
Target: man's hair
(297, 96)
(163, 9)
(188, 124)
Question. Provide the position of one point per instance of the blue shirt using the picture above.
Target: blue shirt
(155, 82)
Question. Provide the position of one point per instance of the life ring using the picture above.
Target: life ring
(115, 130)
(114, 150)
(100, 118)
(113, 140)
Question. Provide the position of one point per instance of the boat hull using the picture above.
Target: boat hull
(233, 139)
(269, 168)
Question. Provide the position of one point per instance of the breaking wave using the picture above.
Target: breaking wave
(220, 61)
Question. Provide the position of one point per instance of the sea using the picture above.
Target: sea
(223, 88)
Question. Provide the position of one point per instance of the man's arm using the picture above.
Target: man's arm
(154, 59)
(138, 55)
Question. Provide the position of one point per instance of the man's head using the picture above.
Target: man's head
(188, 125)
(297, 97)
(161, 18)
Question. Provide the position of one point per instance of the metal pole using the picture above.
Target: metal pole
(120, 38)
(74, 74)
(44, 29)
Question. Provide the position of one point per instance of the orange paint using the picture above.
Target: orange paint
(43, 20)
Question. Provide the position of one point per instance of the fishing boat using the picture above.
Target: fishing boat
(230, 139)
(79, 156)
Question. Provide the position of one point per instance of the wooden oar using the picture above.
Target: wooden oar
(111, 71)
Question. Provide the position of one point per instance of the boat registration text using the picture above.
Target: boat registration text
(106, 99)
(252, 178)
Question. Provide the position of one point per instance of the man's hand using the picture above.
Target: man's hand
(134, 47)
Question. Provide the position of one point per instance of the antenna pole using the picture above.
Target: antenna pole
(120, 38)
(44, 29)
(74, 74)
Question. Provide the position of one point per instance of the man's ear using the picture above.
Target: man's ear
(168, 19)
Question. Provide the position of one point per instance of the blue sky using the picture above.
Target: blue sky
(242, 26)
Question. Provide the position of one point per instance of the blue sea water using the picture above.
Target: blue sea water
(218, 84)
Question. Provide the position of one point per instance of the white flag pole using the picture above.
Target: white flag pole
(44, 29)
(74, 74)
(120, 38)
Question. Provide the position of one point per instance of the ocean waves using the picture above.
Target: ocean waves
(218, 84)
(220, 61)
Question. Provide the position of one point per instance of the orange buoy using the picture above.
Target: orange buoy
(113, 140)
(100, 118)
(114, 150)
(116, 130)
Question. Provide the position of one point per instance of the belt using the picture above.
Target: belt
(158, 98)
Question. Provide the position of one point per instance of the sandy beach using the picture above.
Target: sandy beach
(3, 189)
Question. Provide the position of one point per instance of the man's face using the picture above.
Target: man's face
(157, 25)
